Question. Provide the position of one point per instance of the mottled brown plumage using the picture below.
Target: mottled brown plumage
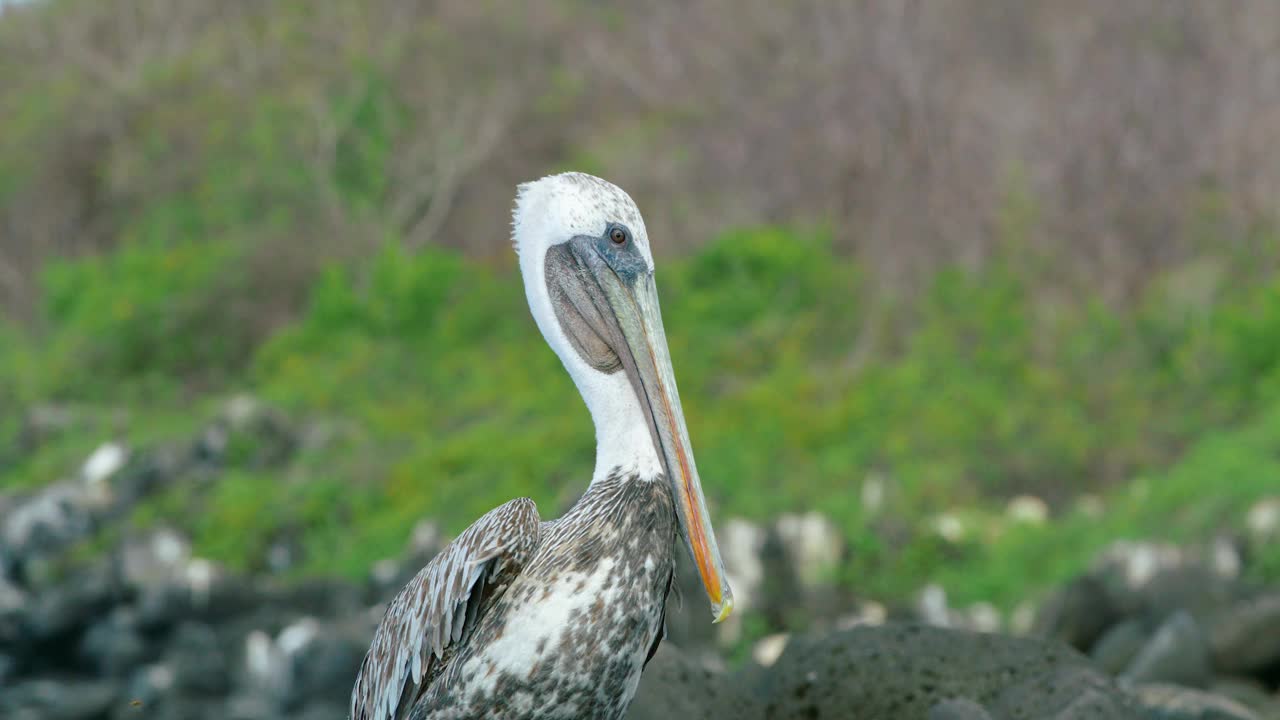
(438, 652)
(426, 621)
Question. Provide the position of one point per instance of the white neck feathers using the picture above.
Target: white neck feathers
(548, 212)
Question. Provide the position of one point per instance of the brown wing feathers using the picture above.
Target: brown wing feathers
(433, 612)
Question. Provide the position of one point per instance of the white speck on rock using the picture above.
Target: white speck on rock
(200, 576)
(869, 613)
(1141, 561)
(873, 492)
(1028, 509)
(170, 547)
(241, 410)
(1023, 618)
(159, 676)
(1263, 519)
(426, 537)
(296, 637)
(984, 617)
(932, 606)
(1226, 560)
(259, 656)
(949, 527)
(385, 571)
(767, 650)
(103, 463)
(813, 544)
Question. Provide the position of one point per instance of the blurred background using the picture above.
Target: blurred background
(958, 295)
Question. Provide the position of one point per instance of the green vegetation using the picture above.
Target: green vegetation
(959, 395)
(276, 200)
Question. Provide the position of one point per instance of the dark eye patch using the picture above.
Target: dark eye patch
(624, 258)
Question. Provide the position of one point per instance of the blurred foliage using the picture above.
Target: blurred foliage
(269, 197)
(956, 396)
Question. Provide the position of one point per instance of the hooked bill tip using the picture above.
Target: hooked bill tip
(726, 609)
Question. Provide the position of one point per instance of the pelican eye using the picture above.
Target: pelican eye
(618, 236)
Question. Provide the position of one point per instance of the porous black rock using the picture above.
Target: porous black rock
(1177, 653)
(48, 699)
(891, 671)
(903, 670)
(676, 686)
(958, 709)
(200, 667)
(1172, 702)
(114, 646)
(1120, 644)
(1245, 635)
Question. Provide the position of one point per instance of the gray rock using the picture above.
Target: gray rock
(8, 669)
(170, 707)
(1263, 521)
(1119, 645)
(903, 670)
(199, 665)
(675, 686)
(1250, 694)
(56, 700)
(63, 610)
(46, 522)
(958, 709)
(324, 659)
(321, 711)
(1245, 636)
(149, 685)
(1077, 614)
(202, 593)
(113, 646)
(1177, 653)
(251, 706)
(153, 561)
(1138, 578)
(247, 433)
(1076, 692)
(13, 609)
(1171, 702)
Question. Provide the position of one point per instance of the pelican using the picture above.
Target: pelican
(524, 618)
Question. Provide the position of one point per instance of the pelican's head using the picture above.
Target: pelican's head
(588, 274)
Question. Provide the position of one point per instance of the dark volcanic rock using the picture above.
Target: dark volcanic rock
(1245, 636)
(321, 711)
(62, 611)
(674, 686)
(324, 660)
(8, 668)
(904, 670)
(1078, 613)
(1068, 693)
(1171, 702)
(199, 665)
(13, 609)
(958, 709)
(113, 646)
(56, 700)
(1136, 580)
(1177, 653)
(1250, 694)
(1119, 645)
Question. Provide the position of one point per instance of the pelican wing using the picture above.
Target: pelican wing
(433, 613)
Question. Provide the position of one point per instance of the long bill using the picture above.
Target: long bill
(633, 302)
